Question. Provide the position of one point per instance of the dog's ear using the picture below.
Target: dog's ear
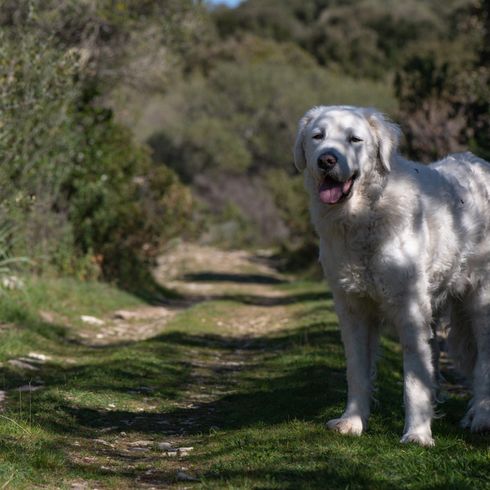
(299, 151)
(387, 136)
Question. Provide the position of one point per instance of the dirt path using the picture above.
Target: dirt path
(240, 299)
(199, 275)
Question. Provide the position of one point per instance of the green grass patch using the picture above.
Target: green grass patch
(253, 407)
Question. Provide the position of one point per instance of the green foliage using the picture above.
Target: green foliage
(216, 92)
(9, 265)
(37, 91)
(274, 19)
(300, 250)
(243, 115)
(445, 99)
(37, 140)
(122, 206)
(291, 199)
(83, 196)
(241, 118)
(230, 228)
(362, 38)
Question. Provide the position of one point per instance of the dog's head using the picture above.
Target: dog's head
(344, 148)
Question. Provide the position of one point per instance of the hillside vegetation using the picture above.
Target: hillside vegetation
(127, 123)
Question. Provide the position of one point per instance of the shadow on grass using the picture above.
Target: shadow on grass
(255, 300)
(295, 375)
(139, 281)
(258, 300)
(269, 390)
(149, 290)
(209, 276)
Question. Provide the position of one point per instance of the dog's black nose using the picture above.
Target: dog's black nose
(326, 161)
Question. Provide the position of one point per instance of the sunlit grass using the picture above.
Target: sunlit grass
(262, 427)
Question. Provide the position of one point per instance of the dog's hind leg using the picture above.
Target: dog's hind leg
(461, 345)
(436, 354)
(478, 305)
(439, 326)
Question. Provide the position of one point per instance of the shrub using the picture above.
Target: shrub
(444, 95)
(362, 38)
(122, 206)
(444, 107)
(38, 91)
(82, 195)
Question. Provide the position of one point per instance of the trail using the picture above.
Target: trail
(199, 275)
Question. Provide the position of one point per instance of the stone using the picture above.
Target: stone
(22, 365)
(183, 476)
(39, 357)
(92, 320)
(141, 443)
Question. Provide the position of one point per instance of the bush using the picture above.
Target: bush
(122, 206)
(38, 91)
(444, 107)
(361, 38)
(84, 198)
(300, 250)
(444, 95)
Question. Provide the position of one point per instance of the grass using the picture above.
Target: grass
(253, 407)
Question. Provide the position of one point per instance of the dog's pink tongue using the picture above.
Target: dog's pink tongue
(331, 191)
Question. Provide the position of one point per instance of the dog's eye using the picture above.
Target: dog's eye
(318, 136)
(355, 139)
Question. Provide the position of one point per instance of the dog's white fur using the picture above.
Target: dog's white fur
(409, 244)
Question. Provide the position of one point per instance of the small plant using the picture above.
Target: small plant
(9, 265)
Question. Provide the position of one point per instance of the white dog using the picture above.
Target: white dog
(400, 243)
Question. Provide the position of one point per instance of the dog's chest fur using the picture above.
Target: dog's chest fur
(379, 255)
(350, 257)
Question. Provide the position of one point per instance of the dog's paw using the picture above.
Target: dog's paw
(421, 438)
(480, 424)
(467, 420)
(347, 425)
(481, 420)
(477, 418)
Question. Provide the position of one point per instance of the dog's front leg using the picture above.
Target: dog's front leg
(418, 373)
(360, 340)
